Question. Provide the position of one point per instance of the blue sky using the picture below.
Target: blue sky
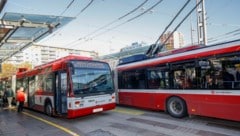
(222, 18)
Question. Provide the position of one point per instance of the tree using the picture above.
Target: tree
(9, 69)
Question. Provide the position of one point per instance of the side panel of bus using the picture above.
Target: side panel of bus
(216, 105)
(205, 81)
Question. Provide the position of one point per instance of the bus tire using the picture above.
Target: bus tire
(176, 107)
(48, 109)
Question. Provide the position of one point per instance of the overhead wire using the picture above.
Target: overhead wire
(182, 21)
(221, 37)
(229, 35)
(225, 38)
(174, 18)
(125, 15)
(224, 25)
(135, 9)
(84, 8)
(69, 5)
(67, 8)
(129, 20)
(151, 48)
(159, 47)
(114, 21)
(153, 6)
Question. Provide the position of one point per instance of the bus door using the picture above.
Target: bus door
(31, 91)
(61, 93)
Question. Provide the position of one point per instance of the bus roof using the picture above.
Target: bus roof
(66, 58)
(51, 66)
(193, 53)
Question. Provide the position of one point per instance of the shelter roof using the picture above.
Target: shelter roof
(19, 31)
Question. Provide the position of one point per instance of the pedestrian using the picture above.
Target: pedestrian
(1, 100)
(9, 95)
(20, 98)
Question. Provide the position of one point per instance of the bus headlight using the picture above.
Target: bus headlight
(77, 103)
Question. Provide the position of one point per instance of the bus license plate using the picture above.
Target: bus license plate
(97, 110)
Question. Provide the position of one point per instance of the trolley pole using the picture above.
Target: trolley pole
(201, 23)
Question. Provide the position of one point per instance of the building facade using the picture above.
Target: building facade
(176, 40)
(38, 54)
(133, 49)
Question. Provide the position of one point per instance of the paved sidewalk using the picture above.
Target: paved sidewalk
(10, 122)
(13, 123)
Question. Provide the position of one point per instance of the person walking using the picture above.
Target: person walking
(20, 99)
(9, 95)
(1, 98)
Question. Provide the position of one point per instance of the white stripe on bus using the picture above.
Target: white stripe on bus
(175, 91)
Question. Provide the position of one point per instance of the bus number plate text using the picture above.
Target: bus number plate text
(97, 110)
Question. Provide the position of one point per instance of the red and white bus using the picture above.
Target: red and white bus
(69, 87)
(191, 81)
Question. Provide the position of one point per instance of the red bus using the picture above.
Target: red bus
(71, 86)
(198, 81)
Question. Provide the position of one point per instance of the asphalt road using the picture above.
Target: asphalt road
(123, 121)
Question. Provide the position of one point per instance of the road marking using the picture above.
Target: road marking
(52, 124)
(128, 111)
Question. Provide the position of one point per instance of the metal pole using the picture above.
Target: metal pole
(201, 23)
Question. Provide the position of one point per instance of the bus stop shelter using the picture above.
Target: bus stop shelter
(19, 31)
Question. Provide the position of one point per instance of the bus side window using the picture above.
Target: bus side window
(137, 79)
(126, 80)
(185, 79)
(48, 87)
(141, 81)
(153, 79)
(222, 74)
(237, 84)
(164, 79)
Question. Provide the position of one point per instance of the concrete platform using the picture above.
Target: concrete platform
(29, 123)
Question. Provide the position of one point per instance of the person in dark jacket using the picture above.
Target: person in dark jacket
(9, 95)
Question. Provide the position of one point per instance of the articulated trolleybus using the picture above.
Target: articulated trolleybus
(195, 80)
(70, 87)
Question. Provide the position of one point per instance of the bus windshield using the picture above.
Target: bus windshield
(92, 81)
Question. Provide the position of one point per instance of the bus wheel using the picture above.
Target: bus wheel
(48, 109)
(176, 107)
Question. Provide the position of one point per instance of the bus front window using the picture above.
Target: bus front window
(92, 81)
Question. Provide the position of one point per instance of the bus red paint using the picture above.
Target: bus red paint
(199, 80)
(69, 87)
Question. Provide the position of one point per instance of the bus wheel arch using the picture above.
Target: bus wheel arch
(176, 107)
(48, 109)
